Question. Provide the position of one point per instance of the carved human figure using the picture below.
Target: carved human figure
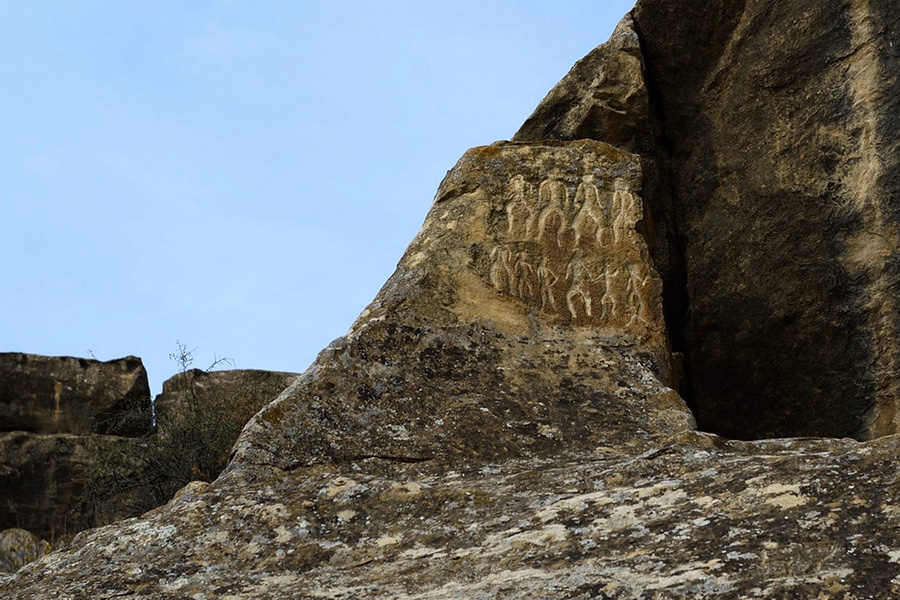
(581, 278)
(590, 219)
(502, 271)
(546, 280)
(634, 294)
(626, 211)
(519, 209)
(524, 273)
(554, 200)
(608, 304)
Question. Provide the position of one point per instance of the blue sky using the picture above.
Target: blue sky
(242, 176)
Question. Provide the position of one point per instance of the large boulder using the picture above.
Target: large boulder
(769, 129)
(524, 318)
(62, 394)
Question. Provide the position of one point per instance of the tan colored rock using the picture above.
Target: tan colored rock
(62, 394)
(524, 317)
(18, 548)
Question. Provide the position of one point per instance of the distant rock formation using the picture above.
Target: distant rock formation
(502, 420)
(62, 394)
(58, 475)
(234, 395)
(53, 410)
(43, 478)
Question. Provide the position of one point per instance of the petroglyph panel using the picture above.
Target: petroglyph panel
(568, 246)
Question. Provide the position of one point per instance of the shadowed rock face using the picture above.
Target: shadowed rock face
(497, 423)
(43, 479)
(783, 138)
(61, 394)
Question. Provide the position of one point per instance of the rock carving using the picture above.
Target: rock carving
(578, 231)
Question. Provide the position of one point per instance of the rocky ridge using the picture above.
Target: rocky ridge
(501, 421)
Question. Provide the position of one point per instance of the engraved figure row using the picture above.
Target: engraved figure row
(512, 273)
(591, 215)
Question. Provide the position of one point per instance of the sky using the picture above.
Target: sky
(242, 176)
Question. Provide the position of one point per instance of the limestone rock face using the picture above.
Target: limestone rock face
(43, 479)
(524, 318)
(50, 394)
(782, 128)
(18, 548)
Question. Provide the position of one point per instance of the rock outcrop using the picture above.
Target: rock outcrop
(62, 394)
(57, 484)
(768, 130)
(53, 411)
(501, 421)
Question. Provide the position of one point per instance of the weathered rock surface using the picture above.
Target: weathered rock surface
(500, 423)
(43, 480)
(691, 517)
(18, 548)
(525, 318)
(61, 394)
(235, 395)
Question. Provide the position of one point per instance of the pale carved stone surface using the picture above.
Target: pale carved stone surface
(569, 249)
(562, 235)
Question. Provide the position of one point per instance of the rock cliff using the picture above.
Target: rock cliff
(502, 420)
